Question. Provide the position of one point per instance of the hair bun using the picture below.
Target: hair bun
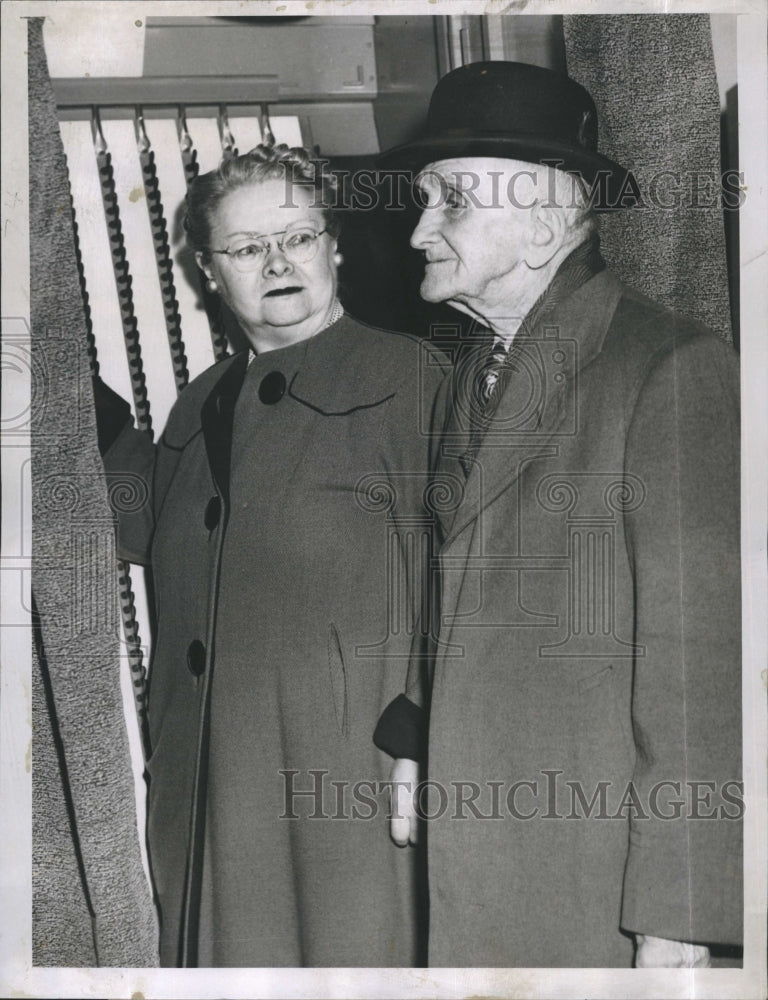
(264, 162)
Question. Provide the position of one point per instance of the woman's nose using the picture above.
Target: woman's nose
(277, 263)
(425, 232)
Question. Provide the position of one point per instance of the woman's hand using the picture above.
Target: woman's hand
(403, 826)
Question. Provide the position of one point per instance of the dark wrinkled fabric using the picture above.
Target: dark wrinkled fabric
(590, 637)
(285, 597)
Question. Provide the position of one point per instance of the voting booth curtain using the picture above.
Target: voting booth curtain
(653, 80)
(91, 902)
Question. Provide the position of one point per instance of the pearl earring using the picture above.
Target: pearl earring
(211, 285)
(338, 259)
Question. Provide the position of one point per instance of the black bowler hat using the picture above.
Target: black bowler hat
(520, 112)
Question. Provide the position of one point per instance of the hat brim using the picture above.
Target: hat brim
(613, 186)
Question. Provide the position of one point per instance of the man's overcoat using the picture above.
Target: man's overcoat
(287, 528)
(588, 664)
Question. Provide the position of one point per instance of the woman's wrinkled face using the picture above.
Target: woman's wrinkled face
(277, 301)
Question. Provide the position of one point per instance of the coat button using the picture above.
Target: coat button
(212, 513)
(196, 657)
(272, 388)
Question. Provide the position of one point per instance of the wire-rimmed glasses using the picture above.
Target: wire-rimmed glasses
(298, 246)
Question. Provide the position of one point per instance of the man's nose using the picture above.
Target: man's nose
(277, 263)
(425, 232)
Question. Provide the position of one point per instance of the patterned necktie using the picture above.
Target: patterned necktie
(480, 381)
(490, 371)
(490, 375)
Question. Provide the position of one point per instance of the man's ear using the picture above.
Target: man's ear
(204, 265)
(546, 234)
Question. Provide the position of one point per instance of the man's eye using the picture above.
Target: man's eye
(421, 198)
(454, 201)
(250, 250)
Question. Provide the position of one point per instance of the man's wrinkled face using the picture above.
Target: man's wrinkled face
(474, 228)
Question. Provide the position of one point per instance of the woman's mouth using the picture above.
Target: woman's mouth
(288, 290)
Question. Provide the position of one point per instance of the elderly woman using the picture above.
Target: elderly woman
(286, 531)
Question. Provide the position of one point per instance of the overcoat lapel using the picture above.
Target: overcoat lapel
(216, 417)
(537, 398)
(456, 431)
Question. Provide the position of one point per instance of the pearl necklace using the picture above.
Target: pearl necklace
(337, 311)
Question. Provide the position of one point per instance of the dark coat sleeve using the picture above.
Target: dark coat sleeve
(683, 875)
(139, 471)
(403, 726)
(129, 463)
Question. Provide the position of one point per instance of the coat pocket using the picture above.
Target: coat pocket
(339, 681)
(601, 676)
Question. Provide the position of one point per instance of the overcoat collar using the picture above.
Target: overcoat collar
(338, 374)
(333, 373)
(577, 328)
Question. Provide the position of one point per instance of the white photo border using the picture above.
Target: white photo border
(17, 975)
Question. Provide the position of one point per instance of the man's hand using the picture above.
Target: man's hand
(403, 827)
(660, 953)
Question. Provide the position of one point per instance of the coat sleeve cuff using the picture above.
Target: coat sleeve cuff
(113, 413)
(684, 883)
(401, 730)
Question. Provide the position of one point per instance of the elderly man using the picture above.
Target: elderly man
(581, 682)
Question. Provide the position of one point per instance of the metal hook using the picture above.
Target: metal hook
(185, 139)
(267, 136)
(226, 137)
(142, 139)
(99, 142)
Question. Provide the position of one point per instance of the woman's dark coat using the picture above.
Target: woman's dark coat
(289, 530)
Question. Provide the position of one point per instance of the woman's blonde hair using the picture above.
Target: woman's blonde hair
(294, 164)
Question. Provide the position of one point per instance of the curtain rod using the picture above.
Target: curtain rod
(78, 92)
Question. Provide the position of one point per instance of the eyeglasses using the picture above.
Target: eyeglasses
(298, 246)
